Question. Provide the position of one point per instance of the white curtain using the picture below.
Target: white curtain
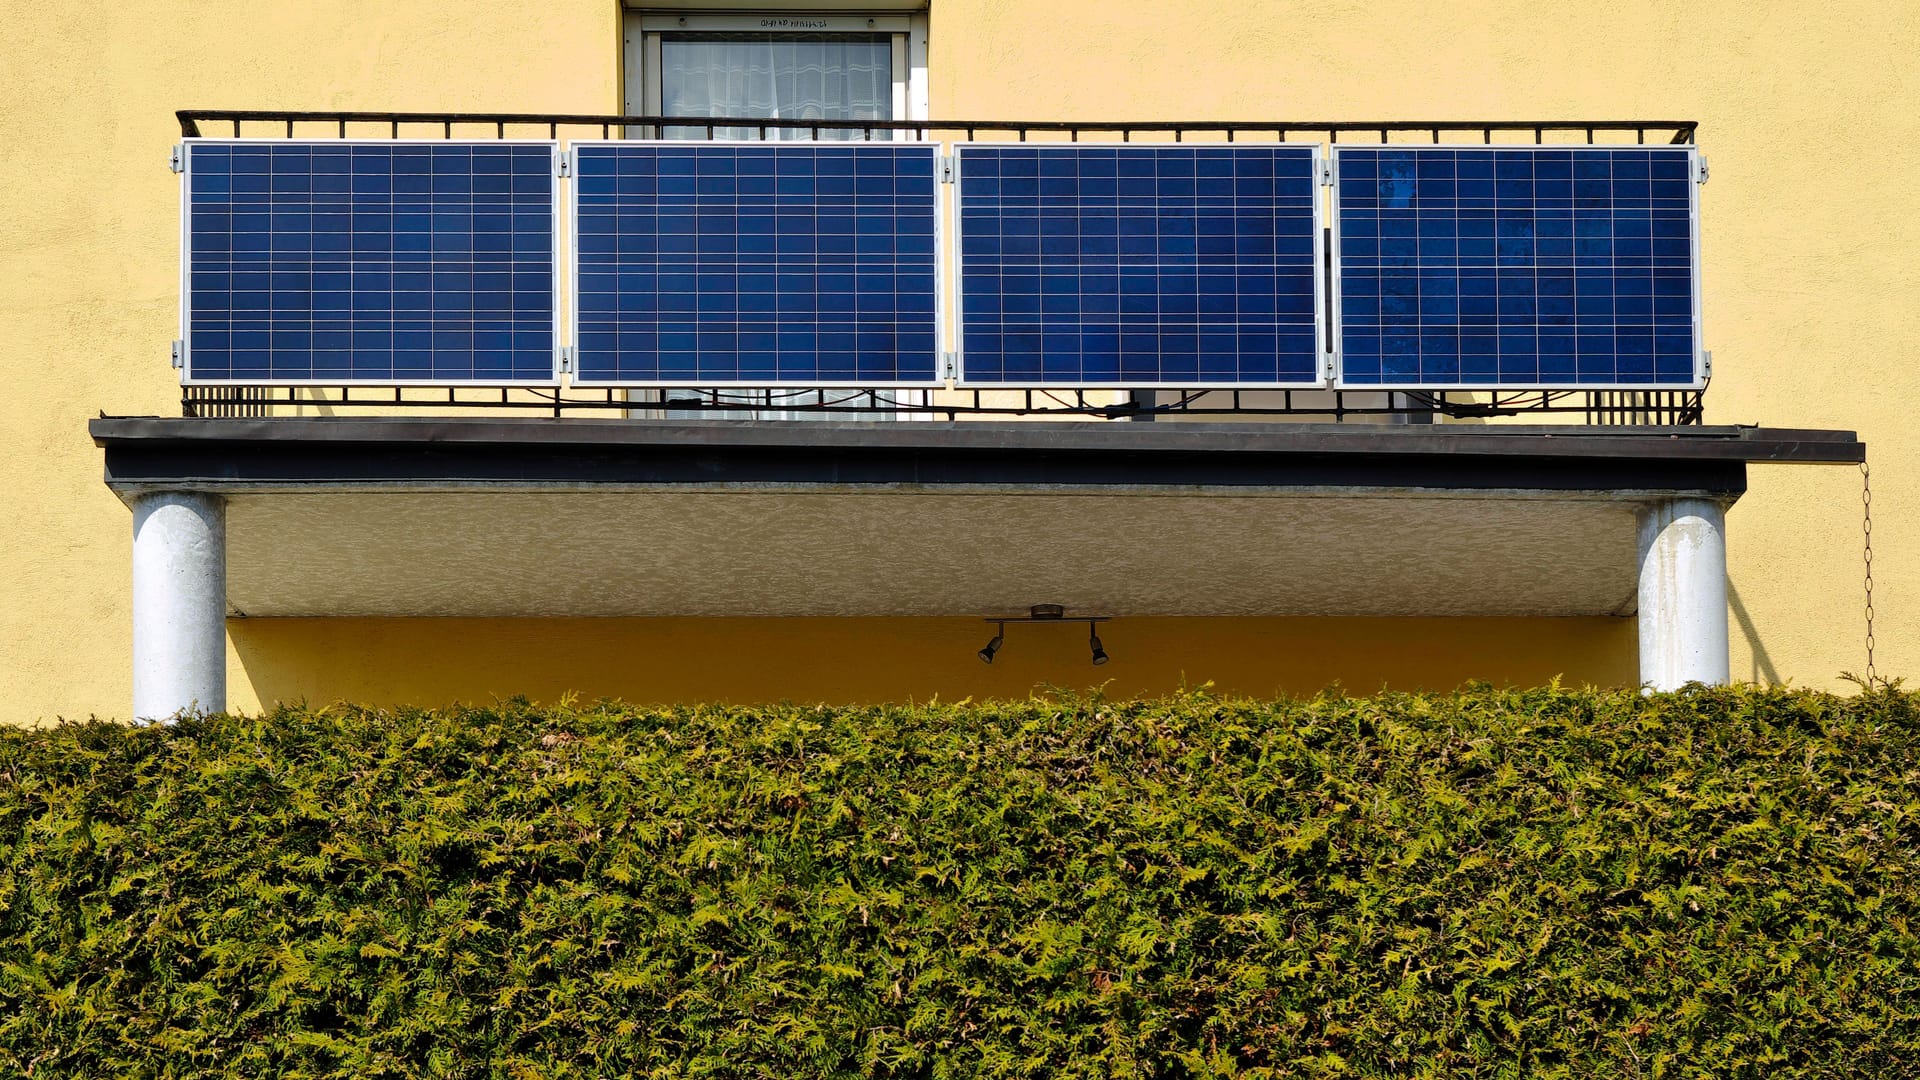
(781, 76)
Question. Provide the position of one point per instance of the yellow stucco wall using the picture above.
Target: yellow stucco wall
(388, 661)
(1810, 115)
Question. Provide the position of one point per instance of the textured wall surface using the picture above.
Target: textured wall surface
(813, 553)
(1809, 118)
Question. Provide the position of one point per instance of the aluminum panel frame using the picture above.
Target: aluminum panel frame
(186, 266)
(1322, 342)
(573, 225)
(1702, 374)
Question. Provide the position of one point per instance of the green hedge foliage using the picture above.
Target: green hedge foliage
(1541, 883)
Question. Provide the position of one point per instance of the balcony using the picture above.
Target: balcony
(945, 396)
(1419, 493)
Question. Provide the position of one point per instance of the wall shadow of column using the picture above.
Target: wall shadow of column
(1763, 669)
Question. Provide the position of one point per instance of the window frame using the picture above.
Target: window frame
(643, 27)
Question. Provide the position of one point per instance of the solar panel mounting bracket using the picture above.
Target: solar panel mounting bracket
(1326, 172)
(563, 163)
(1699, 168)
(944, 167)
(949, 366)
(179, 353)
(566, 359)
(179, 161)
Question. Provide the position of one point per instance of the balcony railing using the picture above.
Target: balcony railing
(1598, 407)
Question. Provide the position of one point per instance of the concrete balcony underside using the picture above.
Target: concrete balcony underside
(916, 552)
(406, 517)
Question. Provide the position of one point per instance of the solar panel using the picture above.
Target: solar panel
(1134, 266)
(349, 261)
(755, 264)
(1521, 267)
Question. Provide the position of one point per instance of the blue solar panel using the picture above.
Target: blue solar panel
(349, 261)
(755, 264)
(1569, 267)
(1139, 265)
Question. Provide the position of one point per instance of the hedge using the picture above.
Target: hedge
(1538, 883)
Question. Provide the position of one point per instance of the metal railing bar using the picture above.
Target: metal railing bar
(1601, 407)
(190, 120)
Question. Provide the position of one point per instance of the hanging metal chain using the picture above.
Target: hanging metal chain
(1866, 529)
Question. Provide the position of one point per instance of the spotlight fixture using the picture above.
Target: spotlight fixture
(986, 654)
(1042, 613)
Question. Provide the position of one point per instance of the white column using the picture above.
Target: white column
(1683, 594)
(179, 604)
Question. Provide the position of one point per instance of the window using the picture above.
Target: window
(785, 65)
(786, 76)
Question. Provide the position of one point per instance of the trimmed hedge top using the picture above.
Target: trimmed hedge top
(1490, 884)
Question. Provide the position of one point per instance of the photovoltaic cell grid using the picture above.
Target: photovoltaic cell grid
(1139, 265)
(386, 262)
(755, 264)
(1516, 267)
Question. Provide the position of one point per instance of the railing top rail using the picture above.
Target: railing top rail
(1683, 131)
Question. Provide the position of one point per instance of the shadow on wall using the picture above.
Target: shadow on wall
(860, 661)
(1763, 670)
